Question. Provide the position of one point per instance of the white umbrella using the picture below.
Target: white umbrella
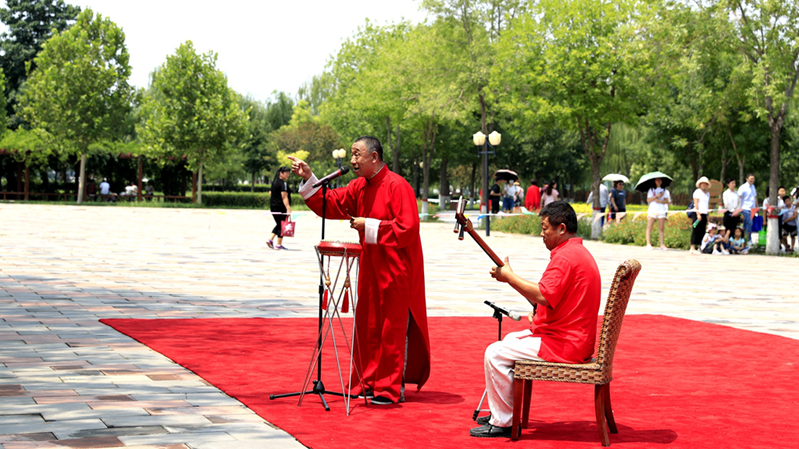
(616, 177)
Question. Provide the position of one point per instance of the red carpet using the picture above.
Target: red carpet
(723, 388)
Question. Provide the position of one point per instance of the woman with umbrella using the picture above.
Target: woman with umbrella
(654, 184)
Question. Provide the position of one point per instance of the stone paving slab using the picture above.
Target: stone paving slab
(67, 380)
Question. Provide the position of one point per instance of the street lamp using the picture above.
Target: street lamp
(339, 155)
(494, 139)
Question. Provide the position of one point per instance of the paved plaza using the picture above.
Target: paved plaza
(66, 376)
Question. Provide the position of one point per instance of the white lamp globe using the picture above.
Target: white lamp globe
(495, 138)
(479, 138)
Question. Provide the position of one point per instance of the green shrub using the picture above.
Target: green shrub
(247, 200)
(531, 225)
(633, 232)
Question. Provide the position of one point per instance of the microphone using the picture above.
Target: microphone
(340, 172)
(508, 313)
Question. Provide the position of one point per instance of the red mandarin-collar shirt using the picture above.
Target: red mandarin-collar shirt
(572, 286)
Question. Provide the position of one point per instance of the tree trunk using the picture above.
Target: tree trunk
(443, 186)
(415, 174)
(395, 154)
(741, 163)
(193, 187)
(140, 175)
(252, 184)
(772, 235)
(390, 145)
(471, 186)
(45, 180)
(200, 185)
(723, 166)
(19, 179)
(28, 183)
(81, 180)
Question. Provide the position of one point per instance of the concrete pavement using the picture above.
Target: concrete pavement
(67, 380)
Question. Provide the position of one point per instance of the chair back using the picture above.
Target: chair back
(618, 297)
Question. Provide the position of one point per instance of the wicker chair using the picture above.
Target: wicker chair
(599, 372)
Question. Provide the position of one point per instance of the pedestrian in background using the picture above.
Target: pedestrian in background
(603, 201)
(701, 198)
(550, 194)
(748, 194)
(732, 202)
(659, 199)
(280, 206)
(618, 204)
(532, 200)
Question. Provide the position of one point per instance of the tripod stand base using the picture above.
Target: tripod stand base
(318, 389)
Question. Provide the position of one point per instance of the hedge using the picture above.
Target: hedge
(633, 232)
(247, 200)
(531, 225)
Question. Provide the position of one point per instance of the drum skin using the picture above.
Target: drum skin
(331, 248)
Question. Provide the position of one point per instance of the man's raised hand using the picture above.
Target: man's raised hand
(300, 168)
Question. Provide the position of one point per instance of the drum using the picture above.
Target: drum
(335, 248)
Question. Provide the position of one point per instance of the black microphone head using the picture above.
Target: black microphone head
(345, 170)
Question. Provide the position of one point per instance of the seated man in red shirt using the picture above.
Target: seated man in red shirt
(564, 327)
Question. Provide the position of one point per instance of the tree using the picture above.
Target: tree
(79, 91)
(307, 133)
(254, 144)
(767, 34)
(30, 23)
(191, 110)
(368, 93)
(577, 64)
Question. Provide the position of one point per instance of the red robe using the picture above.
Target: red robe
(532, 199)
(391, 290)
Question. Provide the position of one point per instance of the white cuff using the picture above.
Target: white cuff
(306, 189)
(372, 225)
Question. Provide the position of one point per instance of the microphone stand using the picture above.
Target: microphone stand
(498, 316)
(318, 386)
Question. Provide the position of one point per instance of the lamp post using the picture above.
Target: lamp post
(480, 140)
(339, 155)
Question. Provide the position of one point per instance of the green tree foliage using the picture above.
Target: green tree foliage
(279, 110)
(254, 144)
(30, 23)
(700, 91)
(79, 91)
(191, 110)
(768, 39)
(576, 64)
(306, 132)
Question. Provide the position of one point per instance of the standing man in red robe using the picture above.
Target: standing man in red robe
(393, 344)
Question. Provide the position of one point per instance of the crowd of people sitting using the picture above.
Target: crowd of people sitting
(105, 195)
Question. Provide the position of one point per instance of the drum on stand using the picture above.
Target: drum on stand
(340, 297)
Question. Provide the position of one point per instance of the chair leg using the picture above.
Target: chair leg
(599, 409)
(528, 391)
(608, 408)
(518, 393)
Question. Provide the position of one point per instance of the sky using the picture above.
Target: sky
(262, 45)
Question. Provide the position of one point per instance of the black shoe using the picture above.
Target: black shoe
(489, 431)
(368, 394)
(483, 419)
(382, 400)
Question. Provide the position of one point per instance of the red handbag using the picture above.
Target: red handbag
(287, 227)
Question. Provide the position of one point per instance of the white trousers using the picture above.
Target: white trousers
(500, 359)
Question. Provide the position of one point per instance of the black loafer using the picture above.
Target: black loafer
(382, 400)
(483, 419)
(489, 431)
